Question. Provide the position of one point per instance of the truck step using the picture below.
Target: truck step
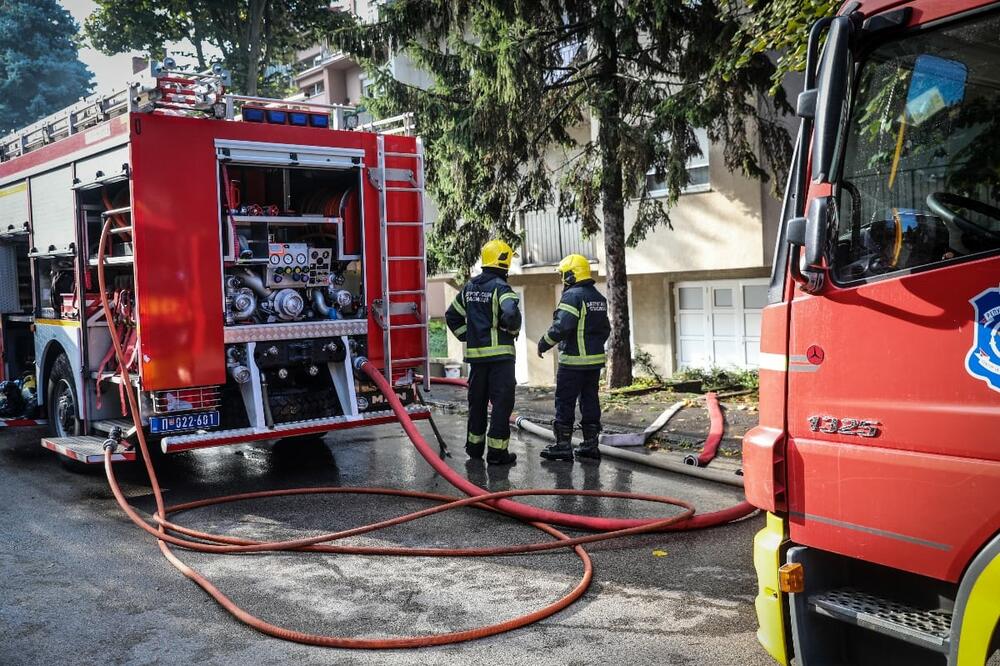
(105, 426)
(930, 629)
(85, 449)
(114, 377)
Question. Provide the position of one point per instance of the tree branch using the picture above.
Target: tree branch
(567, 82)
(565, 107)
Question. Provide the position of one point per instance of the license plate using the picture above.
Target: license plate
(184, 422)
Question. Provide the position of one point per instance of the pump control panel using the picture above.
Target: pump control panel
(298, 265)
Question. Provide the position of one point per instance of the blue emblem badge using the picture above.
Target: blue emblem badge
(983, 361)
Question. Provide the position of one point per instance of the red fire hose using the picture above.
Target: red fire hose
(711, 446)
(525, 511)
(166, 531)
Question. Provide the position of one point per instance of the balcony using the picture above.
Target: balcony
(547, 239)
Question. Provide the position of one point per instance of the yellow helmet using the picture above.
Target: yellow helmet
(574, 268)
(497, 254)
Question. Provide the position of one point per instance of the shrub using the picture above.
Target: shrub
(719, 377)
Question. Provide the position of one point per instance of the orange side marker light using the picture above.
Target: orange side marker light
(791, 578)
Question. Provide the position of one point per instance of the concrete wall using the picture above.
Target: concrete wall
(652, 332)
(450, 290)
(352, 85)
(540, 300)
(436, 304)
(715, 230)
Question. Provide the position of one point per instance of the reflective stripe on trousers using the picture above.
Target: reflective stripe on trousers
(497, 443)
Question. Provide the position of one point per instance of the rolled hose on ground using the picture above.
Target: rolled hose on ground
(711, 446)
(660, 462)
(165, 531)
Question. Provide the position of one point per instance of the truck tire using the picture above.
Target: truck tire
(61, 400)
(62, 407)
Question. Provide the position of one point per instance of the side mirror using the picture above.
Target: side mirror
(809, 234)
(833, 85)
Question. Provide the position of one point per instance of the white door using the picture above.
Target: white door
(718, 322)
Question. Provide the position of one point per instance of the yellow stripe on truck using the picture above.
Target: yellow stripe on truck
(771, 632)
(981, 616)
(14, 189)
(57, 322)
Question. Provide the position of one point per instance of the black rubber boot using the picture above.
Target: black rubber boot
(475, 450)
(500, 457)
(589, 448)
(562, 449)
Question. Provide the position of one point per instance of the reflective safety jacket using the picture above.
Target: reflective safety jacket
(580, 326)
(486, 317)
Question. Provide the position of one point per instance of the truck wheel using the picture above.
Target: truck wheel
(63, 403)
(62, 406)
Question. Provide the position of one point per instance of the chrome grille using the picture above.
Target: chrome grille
(186, 399)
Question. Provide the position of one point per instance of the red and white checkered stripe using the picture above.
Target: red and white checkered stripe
(20, 423)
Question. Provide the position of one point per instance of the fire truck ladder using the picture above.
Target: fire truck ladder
(387, 307)
(162, 86)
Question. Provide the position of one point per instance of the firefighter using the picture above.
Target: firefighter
(580, 328)
(486, 317)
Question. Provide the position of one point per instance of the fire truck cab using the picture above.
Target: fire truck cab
(877, 457)
(253, 252)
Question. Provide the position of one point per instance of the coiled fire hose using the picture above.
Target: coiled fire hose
(166, 531)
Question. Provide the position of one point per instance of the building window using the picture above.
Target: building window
(314, 89)
(697, 167)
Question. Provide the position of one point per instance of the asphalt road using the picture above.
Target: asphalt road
(81, 585)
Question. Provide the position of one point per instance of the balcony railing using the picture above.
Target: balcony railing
(547, 239)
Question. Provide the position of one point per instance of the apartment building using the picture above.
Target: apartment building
(324, 76)
(696, 290)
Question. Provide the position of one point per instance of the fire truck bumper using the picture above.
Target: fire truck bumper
(772, 632)
(200, 440)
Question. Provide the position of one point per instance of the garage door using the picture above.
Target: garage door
(718, 322)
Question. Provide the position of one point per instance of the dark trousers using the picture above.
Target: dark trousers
(574, 384)
(491, 383)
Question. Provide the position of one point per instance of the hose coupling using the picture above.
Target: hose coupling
(114, 439)
(359, 361)
(691, 460)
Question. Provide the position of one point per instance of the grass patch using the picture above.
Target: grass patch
(438, 334)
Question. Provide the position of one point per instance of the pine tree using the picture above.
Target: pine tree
(40, 68)
(511, 80)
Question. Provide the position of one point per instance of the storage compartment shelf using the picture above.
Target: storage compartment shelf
(285, 219)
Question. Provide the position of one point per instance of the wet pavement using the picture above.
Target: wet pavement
(81, 585)
(685, 432)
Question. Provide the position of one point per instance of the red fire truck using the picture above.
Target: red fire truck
(256, 249)
(877, 457)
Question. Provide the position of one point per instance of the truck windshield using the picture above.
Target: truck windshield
(920, 183)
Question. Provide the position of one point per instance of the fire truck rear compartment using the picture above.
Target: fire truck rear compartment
(289, 236)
